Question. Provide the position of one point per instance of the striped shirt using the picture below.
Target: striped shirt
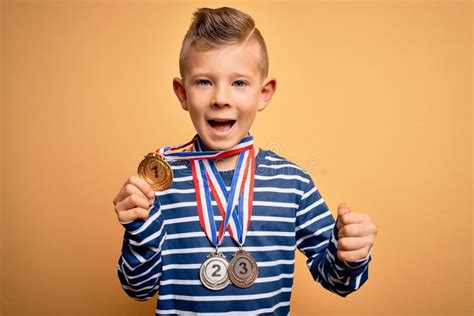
(164, 253)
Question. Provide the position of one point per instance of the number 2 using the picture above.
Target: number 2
(217, 270)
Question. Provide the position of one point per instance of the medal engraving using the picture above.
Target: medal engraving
(213, 272)
(156, 171)
(243, 269)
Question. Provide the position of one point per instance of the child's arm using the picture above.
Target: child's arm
(139, 266)
(317, 237)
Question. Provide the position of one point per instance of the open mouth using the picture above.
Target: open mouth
(221, 125)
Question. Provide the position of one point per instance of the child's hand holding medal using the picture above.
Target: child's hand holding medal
(133, 200)
(137, 194)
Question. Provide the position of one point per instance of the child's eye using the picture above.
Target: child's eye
(204, 82)
(239, 83)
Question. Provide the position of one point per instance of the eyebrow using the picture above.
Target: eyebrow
(208, 74)
(239, 74)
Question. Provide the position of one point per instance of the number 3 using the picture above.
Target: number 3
(244, 267)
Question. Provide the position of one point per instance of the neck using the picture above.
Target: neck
(229, 163)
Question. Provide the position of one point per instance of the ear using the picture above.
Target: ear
(180, 92)
(268, 89)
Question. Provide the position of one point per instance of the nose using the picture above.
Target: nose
(220, 97)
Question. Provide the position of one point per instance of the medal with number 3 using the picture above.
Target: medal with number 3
(243, 270)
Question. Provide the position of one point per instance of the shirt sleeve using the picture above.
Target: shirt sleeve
(316, 238)
(139, 266)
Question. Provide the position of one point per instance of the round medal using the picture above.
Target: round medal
(243, 270)
(156, 171)
(214, 272)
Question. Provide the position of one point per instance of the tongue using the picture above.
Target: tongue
(222, 126)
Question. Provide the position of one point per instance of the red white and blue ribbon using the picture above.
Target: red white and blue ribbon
(238, 201)
(245, 144)
(235, 206)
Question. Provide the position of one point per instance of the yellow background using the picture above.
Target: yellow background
(374, 99)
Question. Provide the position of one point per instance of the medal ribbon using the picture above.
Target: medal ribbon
(170, 152)
(240, 222)
(207, 179)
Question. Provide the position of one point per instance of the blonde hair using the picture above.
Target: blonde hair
(212, 28)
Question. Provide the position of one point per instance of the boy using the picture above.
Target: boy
(222, 237)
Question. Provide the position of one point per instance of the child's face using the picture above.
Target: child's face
(223, 90)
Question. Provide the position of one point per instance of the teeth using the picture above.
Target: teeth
(221, 123)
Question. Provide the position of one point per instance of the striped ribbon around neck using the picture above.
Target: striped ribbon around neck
(235, 205)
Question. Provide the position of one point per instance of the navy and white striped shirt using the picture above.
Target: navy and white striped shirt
(165, 252)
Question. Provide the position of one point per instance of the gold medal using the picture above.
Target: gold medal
(243, 269)
(156, 171)
(213, 271)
